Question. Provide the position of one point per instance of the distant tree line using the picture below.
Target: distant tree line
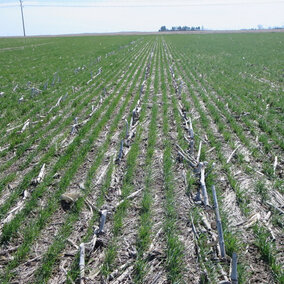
(261, 27)
(179, 28)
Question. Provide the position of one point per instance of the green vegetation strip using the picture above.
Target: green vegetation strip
(74, 273)
(32, 232)
(33, 106)
(126, 189)
(47, 140)
(76, 98)
(246, 86)
(43, 273)
(232, 241)
(175, 249)
(145, 229)
(42, 144)
(75, 270)
(10, 228)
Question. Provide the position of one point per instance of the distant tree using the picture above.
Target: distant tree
(163, 29)
(180, 28)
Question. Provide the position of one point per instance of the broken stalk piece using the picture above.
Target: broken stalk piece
(141, 92)
(126, 129)
(187, 157)
(56, 105)
(132, 121)
(199, 151)
(82, 263)
(191, 135)
(234, 273)
(118, 159)
(193, 228)
(27, 123)
(219, 224)
(202, 182)
(275, 165)
(102, 221)
(132, 195)
(90, 246)
(41, 175)
(232, 154)
(74, 126)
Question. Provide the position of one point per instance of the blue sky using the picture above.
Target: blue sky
(64, 17)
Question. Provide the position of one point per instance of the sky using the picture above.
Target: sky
(97, 16)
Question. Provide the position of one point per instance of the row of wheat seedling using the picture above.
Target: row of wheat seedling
(218, 107)
(53, 252)
(175, 255)
(71, 104)
(252, 99)
(101, 199)
(268, 167)
(145, 226)
(260, 109)
(220, 102)
(45, 213)
(74, 98)
(33, 97)
(242, 99)
(226, 132)
(127, 181)
(261, 189)
(50, 138)
(75, 270)
(241, 196)
(201, 239)
(59, 164)
(47, 111)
